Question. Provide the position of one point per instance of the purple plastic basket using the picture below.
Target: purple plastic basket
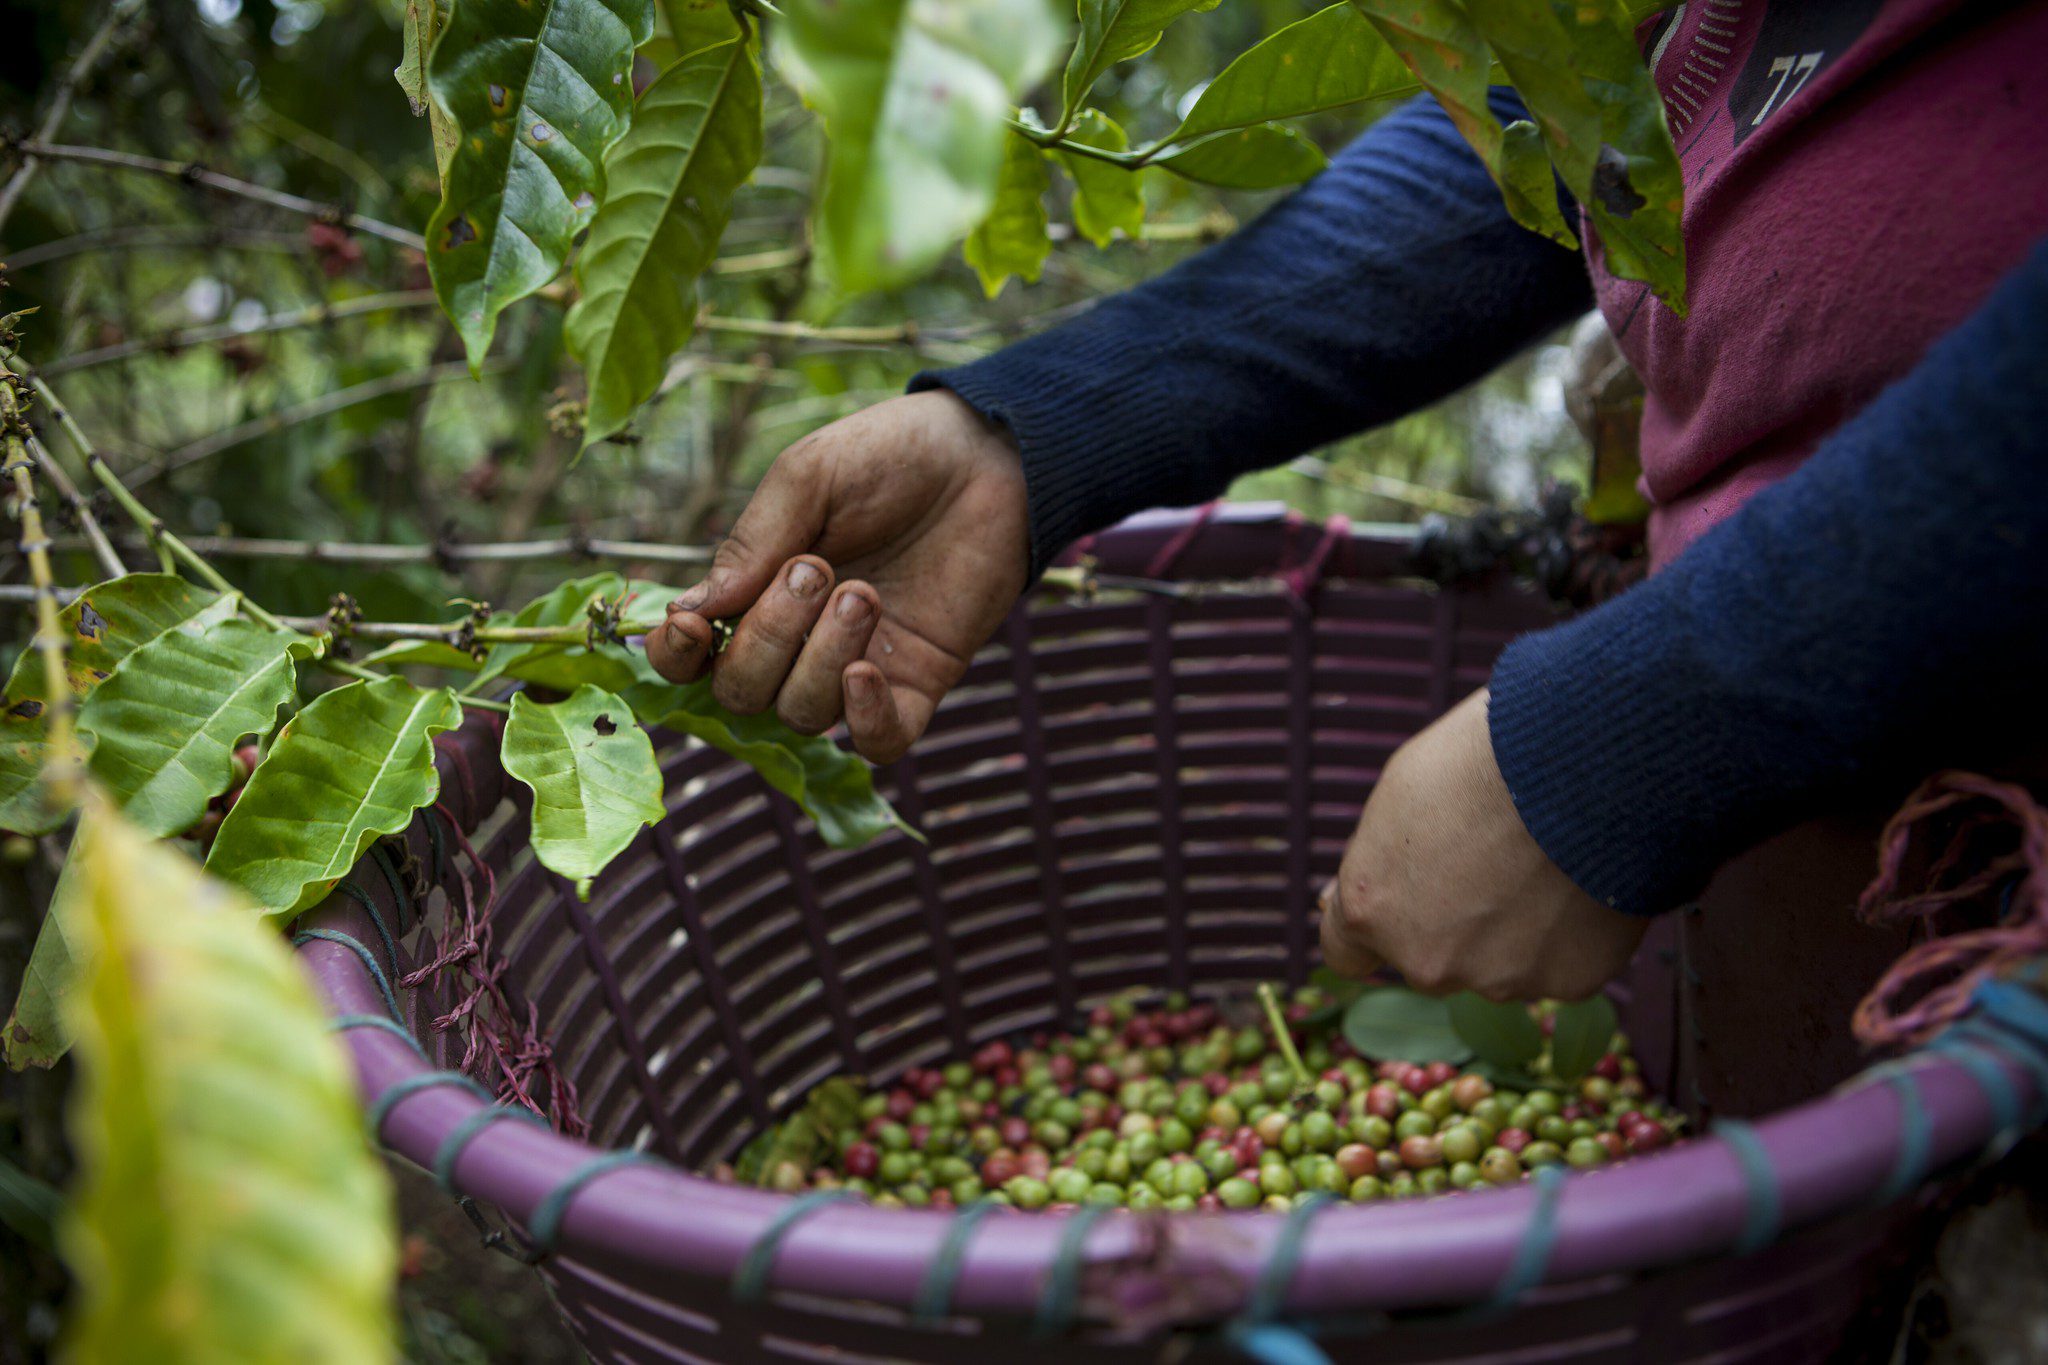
(1142, 790)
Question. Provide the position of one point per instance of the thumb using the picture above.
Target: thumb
(781, 520)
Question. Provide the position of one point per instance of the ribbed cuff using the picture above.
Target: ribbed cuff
(1612, 774)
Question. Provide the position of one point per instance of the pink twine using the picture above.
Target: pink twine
(1303, 579)
(1938, 976)
(491, 1030)
(1177, 544)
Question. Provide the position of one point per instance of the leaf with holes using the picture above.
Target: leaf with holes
(1503, 1035)
(835, 788)
(539, 90)
(1331, 59)
(1012, 240)
(103, 626)
(915, 95)
(227, 1207)
(424, 20)
(351, 767)
(1107, 199)
(1438, 40)
(1115, 31)
(165, 726)
(594, 779)
(1265, 156)
(1580, 1035)
(1395, 1024)
(1601, 119)
(696, 137)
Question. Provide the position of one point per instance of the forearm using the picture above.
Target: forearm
(1883, 609)
(1392, 279)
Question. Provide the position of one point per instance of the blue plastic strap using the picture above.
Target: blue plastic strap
(1916, 1138)
(452, 1147)
(750, 1281)
(935, 1294)
(400, 897)
(1539, 1237)
(400, 1090)
(1061, 1296)
(361, 950)
(2015, 1050)
(1275, 1343)
(362, 898)
(1980, 1059)
(344, 1022)
(1269, 1292)
(2018, 1009)
(1766, 1207)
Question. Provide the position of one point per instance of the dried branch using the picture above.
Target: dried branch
(208, 446)
(62, 773)
(96, 48)
(204, 237)
(81, 511)
(447, 554)
(194, 173)
(180, 338)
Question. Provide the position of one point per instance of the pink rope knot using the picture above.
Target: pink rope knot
(1305, 577)
(1993, 831)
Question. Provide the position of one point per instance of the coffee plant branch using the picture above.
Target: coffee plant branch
(194, 173)
(49, 641)
(179, 338)
(114, 26)
(81, 511)
(202, 237)
(446, 554)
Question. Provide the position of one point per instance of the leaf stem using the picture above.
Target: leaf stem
(62, 772)
(1284, 1039)
(1055, 139)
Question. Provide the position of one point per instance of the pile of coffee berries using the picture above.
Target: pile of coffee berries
(1175, 1107)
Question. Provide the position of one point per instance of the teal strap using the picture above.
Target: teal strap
(2017, 1009)
(1916, 1138)
(400, 897)
(750, 1281)
(450, 1151)
(343, 1023)
(1275, 1343)
(401, 1090)
(1766, 1207)
(1980, 1059)
(362, 898)
(440, 847)
(1269, 1292)
(361, 950)
(1539, 1237)
(1061, 1296)
(546, 1223)
(935, 1294)
(2015, 1045)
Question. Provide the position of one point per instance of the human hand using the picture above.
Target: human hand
(1442, 882)
(916, 506)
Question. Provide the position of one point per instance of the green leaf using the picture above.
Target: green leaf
(564, 668)
(835, 788)
(165, 726)
(1451, 60)
(1581, 1034)
(696, 137)
(697, 24)
(227, 1206)
(539, 91)
(424, 20)
(1393, 1023)
(351, 767)
(422, 654)
(1115, 31)
(915, 95)
(1596, 105)
(1331, 59)
(1504, 1035)
(594, 779)
(29, 1207)
(1265, 156)
(102, 627)
(1106, 198)
(1012, 240)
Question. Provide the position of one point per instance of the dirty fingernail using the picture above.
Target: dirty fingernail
(680, 640)
(804, 579)
(862, 687)
(852, 608)
(692, 599)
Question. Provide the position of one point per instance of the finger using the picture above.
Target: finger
(1345, 950)
(680, 647)
(765, 643)
(781, 520)
(883, 720)
(811, 698)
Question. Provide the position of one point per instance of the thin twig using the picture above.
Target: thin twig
(205, 237)
(81, 511)
(327, 403)
(60, 772)
(1386, 486)
(180, 338)
(95, 49)
(446, 553)
(194, 173)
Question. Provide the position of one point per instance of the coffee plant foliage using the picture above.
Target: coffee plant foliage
(607, 160)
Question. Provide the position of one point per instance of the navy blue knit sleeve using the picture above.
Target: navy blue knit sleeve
(1391, 279)
(1881, 611)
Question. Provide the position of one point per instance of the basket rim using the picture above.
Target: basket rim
(1832, 1156)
